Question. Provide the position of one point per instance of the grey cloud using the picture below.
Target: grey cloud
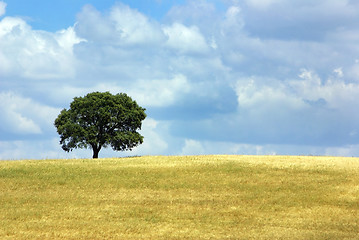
(299, 20)
(305, 111)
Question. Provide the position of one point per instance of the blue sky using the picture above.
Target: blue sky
(55, 15)
(216, 77)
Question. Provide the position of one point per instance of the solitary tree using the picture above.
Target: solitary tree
(99, 120)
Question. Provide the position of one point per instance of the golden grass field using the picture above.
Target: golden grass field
(191, 197)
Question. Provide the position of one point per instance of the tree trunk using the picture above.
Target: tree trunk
(95, 150)
(95, 153)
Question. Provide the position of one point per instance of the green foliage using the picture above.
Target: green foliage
(99, 120)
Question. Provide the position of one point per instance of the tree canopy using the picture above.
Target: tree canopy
(99, 120)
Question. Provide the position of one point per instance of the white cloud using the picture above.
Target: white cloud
(309, 111)
(338, 72)
(160, 93)
(67, 39)
(231, 72)
(233, 12)
(24, 116)
(2, 8)
(257, 95)
(35, 54)
(185, 39)
(233, 22)
(91, 25)
(122, 26)
(337, 94)
(192, 147)
(13, 119)
(202, 13)
(262, 4)
(134, 27)
(11, 25)
(15, 150)
(37, 149)
(154, 142)
(146, 92)
(353, 71)
(348, 151)
(196, 147)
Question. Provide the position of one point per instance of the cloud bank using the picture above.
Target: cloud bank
(216, 77)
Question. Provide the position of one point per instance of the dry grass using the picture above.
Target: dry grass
(194, 197)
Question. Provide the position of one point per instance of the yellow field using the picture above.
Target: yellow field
(193, 197)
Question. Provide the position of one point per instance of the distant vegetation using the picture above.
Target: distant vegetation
(194, 197)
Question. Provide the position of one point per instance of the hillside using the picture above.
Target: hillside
(191, 197)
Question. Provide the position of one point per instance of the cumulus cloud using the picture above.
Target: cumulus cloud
(2, 8)
(300, 108)
(147, 92)
(304, 111)
(154, 142)
(122, 26)
(336, 93)
(35, 54)
(22, 116)
(134, 27)
(126, 26)
(160, 93)
(242, 76)
(185, 39)
(192, 147)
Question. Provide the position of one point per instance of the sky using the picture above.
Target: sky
(215, 76)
